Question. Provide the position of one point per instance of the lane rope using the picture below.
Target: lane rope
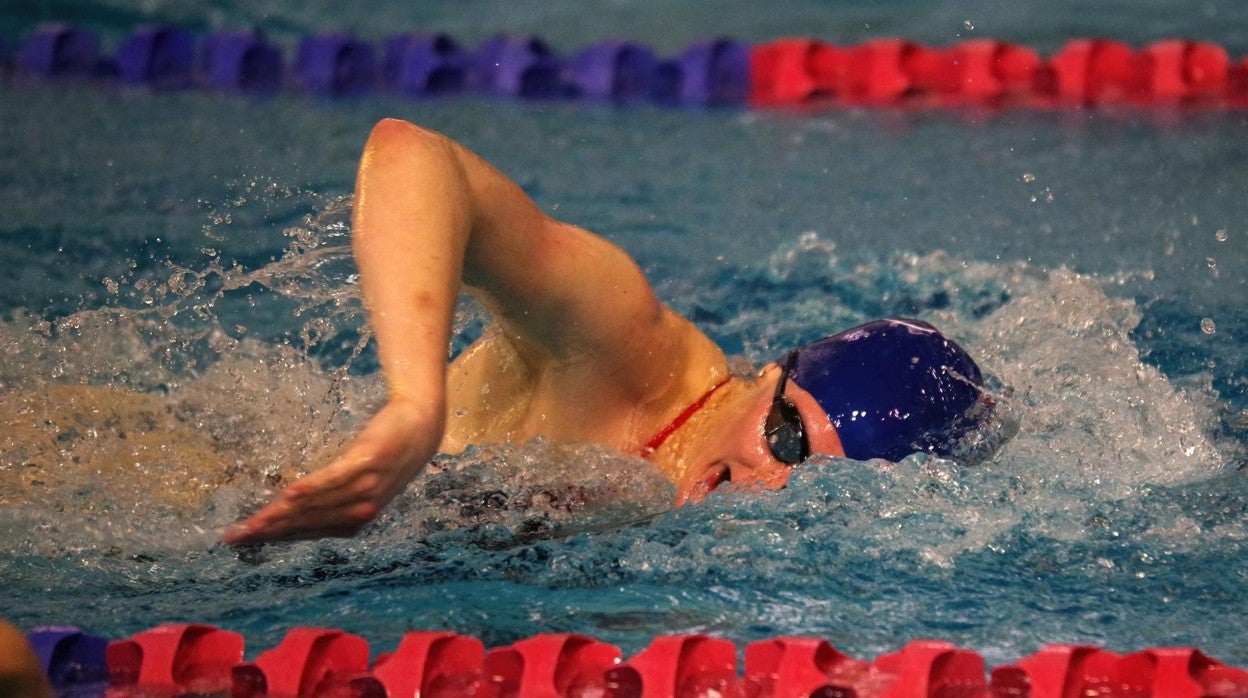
(182, 659)
(791, 72)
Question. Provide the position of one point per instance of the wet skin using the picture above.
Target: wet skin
(724, 442)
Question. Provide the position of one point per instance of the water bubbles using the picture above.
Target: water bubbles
(1207, 326)
(966, 24)
(1220, 236)
(1047, 195)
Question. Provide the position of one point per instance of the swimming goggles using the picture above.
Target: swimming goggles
(786, 436)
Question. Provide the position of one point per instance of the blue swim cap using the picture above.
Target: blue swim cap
(892, 387)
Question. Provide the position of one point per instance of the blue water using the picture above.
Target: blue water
(184, 254)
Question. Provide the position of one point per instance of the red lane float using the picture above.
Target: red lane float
(549, 666)
(201, 660)
(674, 666)
(1084, 73)
(798, 667)
(1060, 671)
(181, 658)
(309, 662)
(1180, 70)
(432, 664)
(974, 71)
(1088, 72)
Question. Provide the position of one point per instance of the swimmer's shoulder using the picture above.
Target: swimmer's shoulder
(692, 364)
(489, 387)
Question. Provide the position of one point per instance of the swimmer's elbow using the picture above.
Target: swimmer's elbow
(390, 128)
(400, 151)
(397, 133)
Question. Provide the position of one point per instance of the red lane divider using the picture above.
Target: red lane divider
(201, 660)
(798, 667)
(432, 665)
(185, 658)
(675, 666)
(924, 668)
(309, 662)
(1084, 73)
(974, 71)
(549, 666)
(1066, 671)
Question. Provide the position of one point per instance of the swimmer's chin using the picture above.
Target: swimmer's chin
(699, 488)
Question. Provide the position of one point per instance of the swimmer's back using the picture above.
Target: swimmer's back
(495, 393)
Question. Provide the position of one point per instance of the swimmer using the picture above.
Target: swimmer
(581, 350)
(20, 673)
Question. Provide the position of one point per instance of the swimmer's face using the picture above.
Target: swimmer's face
(736, 450)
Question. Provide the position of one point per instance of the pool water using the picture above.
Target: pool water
(181, 330)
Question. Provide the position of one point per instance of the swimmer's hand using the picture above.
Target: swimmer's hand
(343, 497)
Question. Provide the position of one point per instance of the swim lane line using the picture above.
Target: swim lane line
(791, 72)
(203, 660)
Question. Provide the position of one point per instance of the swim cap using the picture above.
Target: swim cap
(891, 388)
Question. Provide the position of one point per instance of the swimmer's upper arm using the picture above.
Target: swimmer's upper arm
(425, 205)
(572, 294)
(563, 288)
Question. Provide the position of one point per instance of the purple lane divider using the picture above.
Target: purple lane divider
(712, 73)
(617, 71)
(335, 64)
(73, 661)
(242, 60)
(517, 66)
(58, 50)
(161, 57)
(424, 65)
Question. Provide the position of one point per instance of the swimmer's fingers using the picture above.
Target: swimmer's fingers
(278, 521)
(376, 467)
(336, 501)
(306, 509)
(333, 504)
(342, 498)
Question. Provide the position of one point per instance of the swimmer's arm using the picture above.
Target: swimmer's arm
(428, 214)
(411, 221)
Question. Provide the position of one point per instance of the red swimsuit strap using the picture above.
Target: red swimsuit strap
(657, 440)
